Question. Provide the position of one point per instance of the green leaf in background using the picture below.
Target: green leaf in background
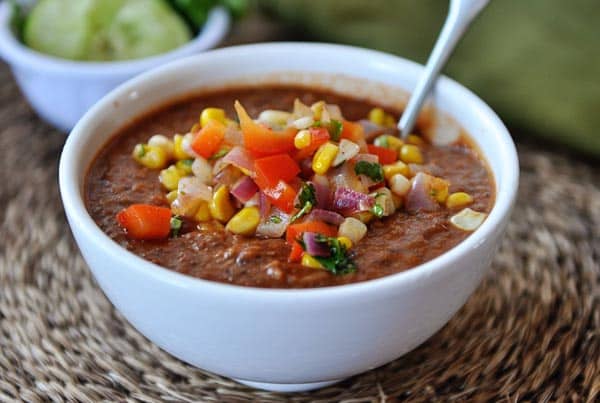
(196, 11)
(537, 62)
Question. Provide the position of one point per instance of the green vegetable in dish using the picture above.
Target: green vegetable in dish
(339, 260)
(371, 169)
(104, 29)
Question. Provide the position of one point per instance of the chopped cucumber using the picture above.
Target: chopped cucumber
(104, 29)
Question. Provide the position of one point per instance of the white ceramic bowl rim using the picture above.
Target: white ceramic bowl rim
(13, 51)
(73, 201)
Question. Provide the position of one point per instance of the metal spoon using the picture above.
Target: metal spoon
(460, 14)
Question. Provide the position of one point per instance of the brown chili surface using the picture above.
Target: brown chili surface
(396, 243)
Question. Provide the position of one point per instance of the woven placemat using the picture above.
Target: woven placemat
(530, 332)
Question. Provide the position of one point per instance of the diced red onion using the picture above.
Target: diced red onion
(240, 158)
(328, 216)
(419, 196)
(306, 168)
(322, 191)
(233, 135)
(345, 177)
(313, 247)
(348, 201)
(372, 158)
(228, 176)
(244, 189)
(270, 229)
(194, 188)
(264, 205)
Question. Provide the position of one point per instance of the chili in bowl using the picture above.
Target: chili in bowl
(254, 213)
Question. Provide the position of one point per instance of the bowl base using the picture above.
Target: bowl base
(286, 387)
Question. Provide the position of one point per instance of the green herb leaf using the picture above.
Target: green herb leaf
(275, 219)
(18, 18)
(307, 194)
(382, 141)
(339, 261)
(377, 210)
(304, 210)
(335, 129)
(371, 169)
(176, 224)
(221, 153)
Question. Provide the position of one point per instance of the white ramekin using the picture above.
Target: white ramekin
(61, 90)
(287, 340)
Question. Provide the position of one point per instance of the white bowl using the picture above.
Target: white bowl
(286, 340)
(61, 90)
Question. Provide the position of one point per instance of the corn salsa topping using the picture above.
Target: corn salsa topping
(307, 175)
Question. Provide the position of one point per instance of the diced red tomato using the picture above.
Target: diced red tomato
(318, 137)
(281, 195)
(295, 230)
(386, 155)
(270, 170)
(208, 139)
(262, 141)
(144, 221)
(296, 253)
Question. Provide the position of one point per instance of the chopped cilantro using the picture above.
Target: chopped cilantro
(304, 210)
(339, 260)
(335, 129)
(176, 224)
(275, 219)
(371, 169)
(377, 210)
(306, 200)
(221, 153)
(307, 194)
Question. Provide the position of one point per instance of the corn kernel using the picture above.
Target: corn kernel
(171, 196)
(170, 177)
(415, 140)
(160, 141)
(377, 116)
(185, 167)
(344, 240)
(394, 143)
(274, 118)
(353, 229)
(398, 201)
(209, 114)
(245, 221)
(364, 216)
(399, 184)
(324, 158)
(458, 199)
(220, 206)
(203, 212)
(178, 150)
(150, 156)
(302, 139)
(389, 120)
(309, 261)
(467, 219)
(439, 189)
(410, 153)
(396, 168)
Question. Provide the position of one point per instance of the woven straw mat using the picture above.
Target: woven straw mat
(530, 332)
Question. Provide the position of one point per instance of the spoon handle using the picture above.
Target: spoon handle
(460, 15)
